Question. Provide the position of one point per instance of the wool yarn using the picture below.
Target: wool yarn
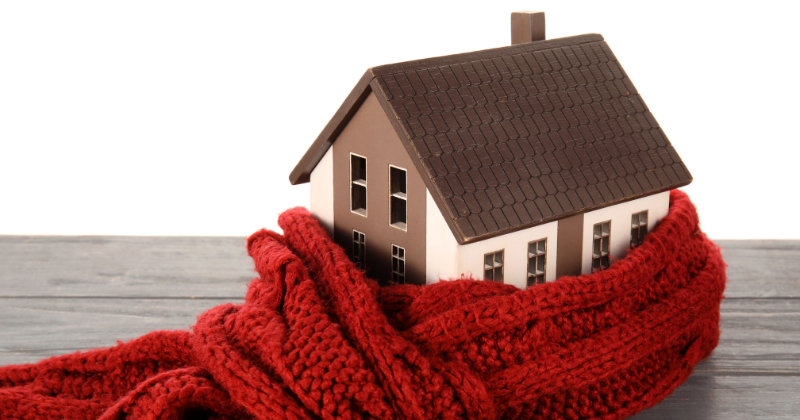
(316, 339)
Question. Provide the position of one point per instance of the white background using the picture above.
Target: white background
(186, 117)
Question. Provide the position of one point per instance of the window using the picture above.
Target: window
(537, 251)
(602, 236)
(359, 249)
(638, 228)
(397, 197)
(398, 264)
(493, 266)
(358, 184)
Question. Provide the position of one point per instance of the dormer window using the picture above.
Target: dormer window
(398, 200)
(358, 184)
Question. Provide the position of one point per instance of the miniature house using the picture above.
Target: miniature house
(518, 164)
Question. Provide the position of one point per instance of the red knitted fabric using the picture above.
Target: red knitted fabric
(316, 339)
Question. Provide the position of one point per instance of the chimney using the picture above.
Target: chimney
(527, 27)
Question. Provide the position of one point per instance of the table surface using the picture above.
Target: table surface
(60, 294)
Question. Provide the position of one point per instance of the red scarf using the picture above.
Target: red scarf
(317, 339)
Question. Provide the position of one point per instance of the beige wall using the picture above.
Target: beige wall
(441, 246)
(370, 134)
(322, 191)
(657, 206)
(515, 246)
(449, 260)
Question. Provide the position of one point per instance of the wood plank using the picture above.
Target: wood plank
(705, 397)
(758, 335)
(62, 294)
(219, 266)
(129, 266)
(753, 371)
(762, 268)
(36, 328)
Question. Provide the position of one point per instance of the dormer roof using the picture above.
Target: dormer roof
(512, 137)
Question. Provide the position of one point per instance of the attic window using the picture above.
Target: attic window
(398, 200)
(358, 185)
(537, 259)
(493, 266)
(600, 244)
(638, 228)
(398, 264)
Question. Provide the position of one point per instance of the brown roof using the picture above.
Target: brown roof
(512, 137)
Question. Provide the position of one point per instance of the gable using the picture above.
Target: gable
(517, 136)
(370, 135)
(302, 171)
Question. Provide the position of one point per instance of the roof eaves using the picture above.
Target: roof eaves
(479, 238)
(302, 171)
(405, 139)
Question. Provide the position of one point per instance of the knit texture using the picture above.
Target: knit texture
(316, 339)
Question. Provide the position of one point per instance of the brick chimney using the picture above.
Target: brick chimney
(527, 27)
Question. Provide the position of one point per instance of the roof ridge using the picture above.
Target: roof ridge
(388, 69)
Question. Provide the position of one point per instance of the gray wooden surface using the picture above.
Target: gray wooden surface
(60, 294)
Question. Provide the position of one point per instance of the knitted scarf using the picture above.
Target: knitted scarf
(316, 339)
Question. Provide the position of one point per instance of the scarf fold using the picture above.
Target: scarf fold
(316, 339)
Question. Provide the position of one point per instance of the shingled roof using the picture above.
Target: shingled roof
(512, 137)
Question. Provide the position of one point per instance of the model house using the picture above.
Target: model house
(517, 164)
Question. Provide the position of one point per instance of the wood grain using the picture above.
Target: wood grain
(33, 329)
(124, 266)
(762, 268)
(63, 294)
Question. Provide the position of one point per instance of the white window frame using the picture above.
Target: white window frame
(400, 196)
(495, 265)
(536, 274)
(637, 228)
(355, 182)
(599, 254)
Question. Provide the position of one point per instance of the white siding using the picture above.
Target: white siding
(657, 206)
(446, 259)
(441, 248)
(515, 245)
(322, 191)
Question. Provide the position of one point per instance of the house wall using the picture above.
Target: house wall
(515, 244)
(441, 247)
(570, 239)
(322, 191)
(657, 206)
(449, 260)
(370, 134)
